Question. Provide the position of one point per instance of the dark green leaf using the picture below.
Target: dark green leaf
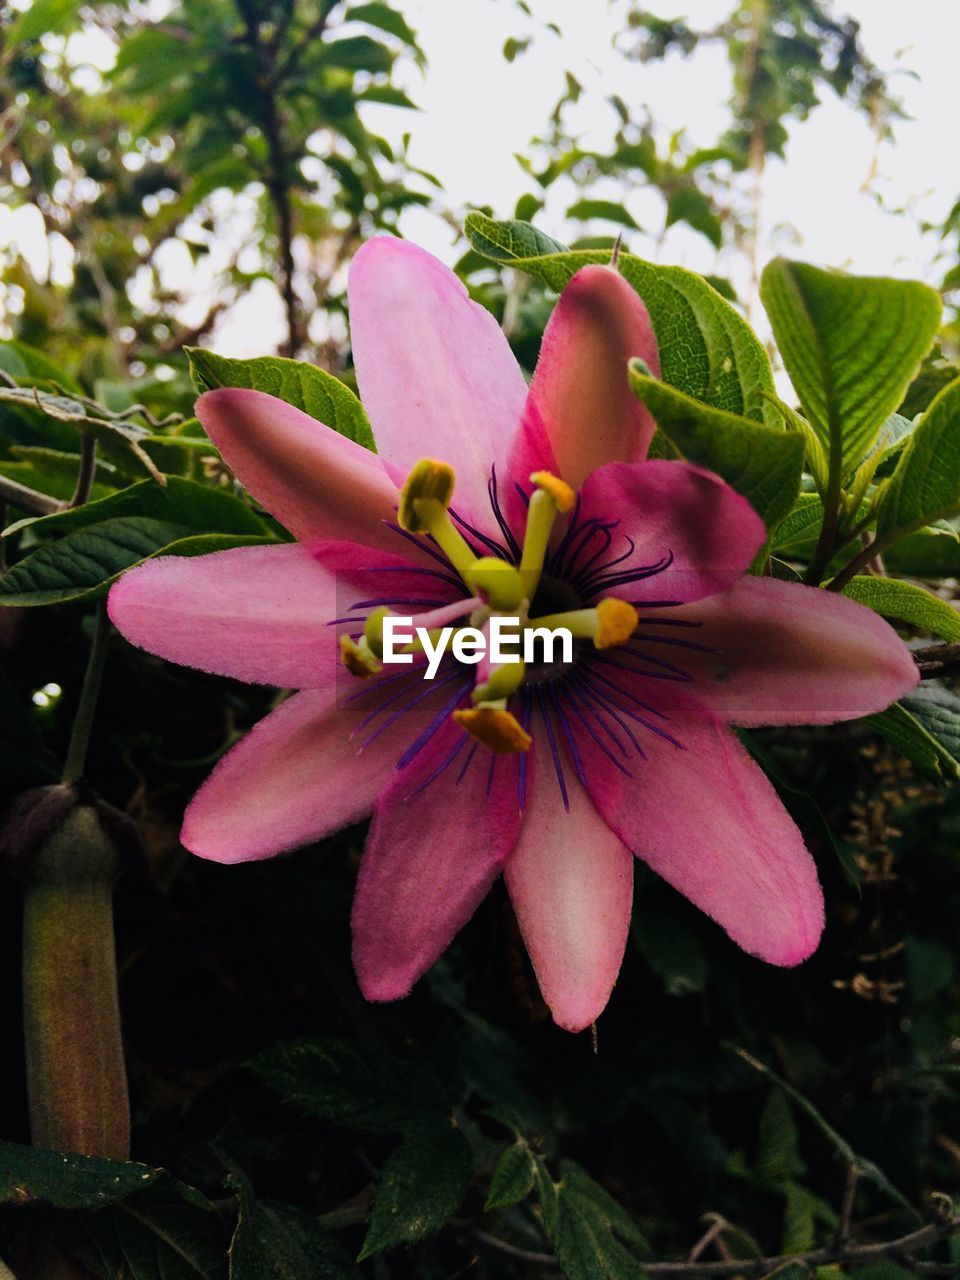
(278, 1242)
(513, 1177)
(422, 1183)
(68, 1181)
(345, 1083)
(908, 736)
(85, 562)
(591, 1234)
(306, 387)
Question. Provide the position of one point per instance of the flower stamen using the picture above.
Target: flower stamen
(551, 496)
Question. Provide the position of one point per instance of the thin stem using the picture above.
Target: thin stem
(18, 495)
(83, 722)
(859, 562)
(87, 472)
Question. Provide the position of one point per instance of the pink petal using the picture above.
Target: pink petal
(789, 654)
(436, 374)
(704, 817)
(580, 384)
(436, 844)
(254, 613)
(571, 883)
(678, 511)
(299, 774)
(316, 482)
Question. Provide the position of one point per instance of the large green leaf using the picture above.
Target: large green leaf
(346, 1083)
(590, 1233)
(197, 506)
(907, 733)
(851, 345)
(303, 385)
(68, 1181)
(278, 1242)
(81, 565)
(421, 1184)
(908, 602)
(760, 462)
(707, 349)
(925, 487)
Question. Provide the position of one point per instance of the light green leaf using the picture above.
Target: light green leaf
(802, 524)
(908, 602)
(41, 17)
(707, 349)
(761, 463)
(606, 210)
(925, 487)
(513, 1177)
(83, 564)
(851, 345)
(422, 1183)
(22, 361)
(377, 14)
(306, 387)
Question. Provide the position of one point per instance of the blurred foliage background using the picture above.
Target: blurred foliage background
(232, 134)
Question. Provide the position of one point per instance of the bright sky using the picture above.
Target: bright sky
(478, 111)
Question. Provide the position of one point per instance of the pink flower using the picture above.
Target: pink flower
(631, 751)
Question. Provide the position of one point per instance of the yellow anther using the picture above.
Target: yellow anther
(616, 622)
(563, 496)
(357, 658)
(496, 729)
(502, 681)
(373, 630)
(429, 484)
(498, 581)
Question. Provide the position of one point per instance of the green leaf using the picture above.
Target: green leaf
(591, 1234)
(607, 210)
(81, 565)
(42, 17)
(68, 1181)
(696, 210)
(937, 709)
(385, 18)
(22, 361)
(356, 53)
(931, 552)
(306, 387)
(778, 1157)
(422, 1183)
(908, 602)
(508, 241)
(906, 734)
(180, 501)
(851, 345)
(802, 524)
(763, 464)
(169, 1232)
(346, 1083)
(513, 1177)
(925, 487)
(671, 948)
(278, 1242)
(866, 1168)
(707, 349)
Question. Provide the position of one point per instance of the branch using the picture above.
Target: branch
(18, 495)
(899, 1250)
(938, 660)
